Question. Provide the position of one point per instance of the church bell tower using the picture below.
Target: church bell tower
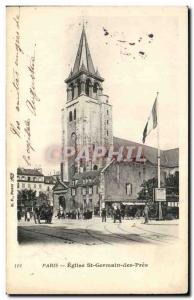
(87, 115)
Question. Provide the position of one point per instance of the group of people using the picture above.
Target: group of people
(118, 214)
(75, 214)
(43, 212)
(27, 215)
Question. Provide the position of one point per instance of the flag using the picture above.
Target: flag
(152, 121)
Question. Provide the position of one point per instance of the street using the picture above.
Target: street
(94, 232)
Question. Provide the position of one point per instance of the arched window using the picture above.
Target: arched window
(95, 167)
(74, 114)
(87, 86)
(95, 88)
(70, 116)
(72, 90)
(79, 87)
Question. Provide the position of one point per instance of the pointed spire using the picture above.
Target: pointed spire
(83, 57)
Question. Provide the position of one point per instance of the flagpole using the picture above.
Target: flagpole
(160, 217)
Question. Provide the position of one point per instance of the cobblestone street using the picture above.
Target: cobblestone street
(94, 232)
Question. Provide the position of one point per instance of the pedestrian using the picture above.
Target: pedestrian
(146, 214)
(19, 215)
(28, 216)
(103, 214)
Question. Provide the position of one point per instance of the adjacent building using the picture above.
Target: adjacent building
(35, 181)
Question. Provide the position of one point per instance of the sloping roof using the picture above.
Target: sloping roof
(172, 157)
(168, 158)
(49, 180)
(30, 172)
(93, 175)
(60, 185)
(83, 57)
(83, 61)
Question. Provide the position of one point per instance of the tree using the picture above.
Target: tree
(42, 198)
(146, 193)
(26, 198)
(172, 184)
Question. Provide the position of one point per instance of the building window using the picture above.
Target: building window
(29, 185)
(84, 181)
(70, 116)
(76, 181)
(87, 87)
(95, 167)
(18, 185)
(79, 87)
(35, 185)
(107, 121)
(90, 190)
(95, 88)
(83, 191)
(23, 177)
(48, 188)
(73, 182)
(107, 112)
(28, 178)
(74, 114)
(107, 132)
(23, 185)
(40, 186)
(128, 189)
(73, 192)
(34, 178)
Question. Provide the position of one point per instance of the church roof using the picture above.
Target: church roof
(168, 158)
(83, 60)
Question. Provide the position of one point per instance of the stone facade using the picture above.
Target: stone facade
(87, 116)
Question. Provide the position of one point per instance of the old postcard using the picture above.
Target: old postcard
(97, 150)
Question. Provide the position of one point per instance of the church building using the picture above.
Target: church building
(88, 184)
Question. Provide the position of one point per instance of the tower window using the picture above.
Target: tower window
(74, 114)
(70, 116)
(87, 86)
(107, 112)
(107, 121)
(95, 88)
(107, 132)
(72, 90)
(79, 87)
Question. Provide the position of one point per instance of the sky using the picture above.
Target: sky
(138, 51)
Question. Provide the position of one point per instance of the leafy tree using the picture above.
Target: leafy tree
(146, 193)
(26, 198)
(172, 184)
(42, 198)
